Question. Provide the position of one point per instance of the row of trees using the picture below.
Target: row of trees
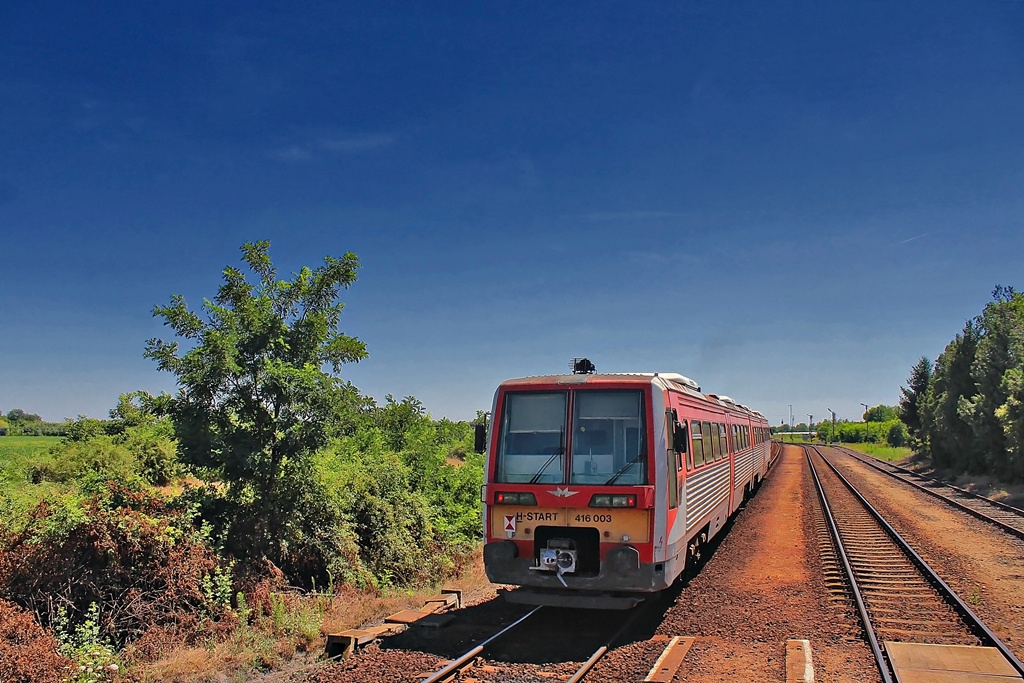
(19, 422)
(966, 410)
(881, 424)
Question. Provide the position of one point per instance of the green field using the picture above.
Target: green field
(17, 452)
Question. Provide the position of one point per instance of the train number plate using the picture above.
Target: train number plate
(617, 523)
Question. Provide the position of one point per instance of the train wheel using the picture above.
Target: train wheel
(695, 548)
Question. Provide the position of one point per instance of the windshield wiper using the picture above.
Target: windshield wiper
(625, 468)
(558, 452)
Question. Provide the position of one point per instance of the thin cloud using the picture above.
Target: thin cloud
(292, 154)
(914, 238)
(309, 151)
(631, 215)
(359, 143)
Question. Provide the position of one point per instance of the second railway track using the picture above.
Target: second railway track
(1008, 518)
(899, 597)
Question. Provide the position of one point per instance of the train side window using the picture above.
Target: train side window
(724, 445)
(709, 454)
(697, 439)
(716, 442)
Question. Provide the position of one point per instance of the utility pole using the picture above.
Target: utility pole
(791, 420)
(810, 423)
(832, 436)
(867, 427)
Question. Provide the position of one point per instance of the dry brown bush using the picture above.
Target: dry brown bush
(134, 555)
(28, 654)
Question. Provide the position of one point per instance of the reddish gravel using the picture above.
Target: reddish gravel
(762, 586)
(984, 565)
(371, 667)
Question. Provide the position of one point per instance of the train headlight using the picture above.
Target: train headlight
(613, 500)
(566, 561)
(514, 498)
(558, 560)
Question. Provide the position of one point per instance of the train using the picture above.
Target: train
(601, 489)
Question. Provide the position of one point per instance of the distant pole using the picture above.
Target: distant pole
(867, 428)
(810, 422)
(832, 436)
(790, 418)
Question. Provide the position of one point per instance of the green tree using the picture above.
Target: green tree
(947, 408)
(909, 409)
(897, 435)
(880, 413)
(254, 400)
(19, 416)
(996, 360)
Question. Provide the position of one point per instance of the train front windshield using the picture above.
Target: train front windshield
(602, 442)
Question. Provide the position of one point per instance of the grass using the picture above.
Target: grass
(17, 494)
(18, 452)
(887, 453)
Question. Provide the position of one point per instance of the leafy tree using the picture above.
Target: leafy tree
(897, 435)
(254, 400)
(880, 413)
(19, 416)
(948, 433)
(83, 429)
(996, 360)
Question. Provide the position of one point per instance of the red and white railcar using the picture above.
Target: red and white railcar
(600, 488)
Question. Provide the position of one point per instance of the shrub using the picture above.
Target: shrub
(28, 654)
(138, 559)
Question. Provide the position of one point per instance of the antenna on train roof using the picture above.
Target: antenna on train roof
(582, 366)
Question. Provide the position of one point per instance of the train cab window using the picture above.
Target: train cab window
(608, 438)
(531, 447)
(697, 439)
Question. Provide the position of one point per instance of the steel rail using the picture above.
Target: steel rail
(601, 651)
(858, 598)
(965, 508)
(452, 667)
(966, 612)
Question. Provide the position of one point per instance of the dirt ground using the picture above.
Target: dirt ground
(989, 487)
(763, 586)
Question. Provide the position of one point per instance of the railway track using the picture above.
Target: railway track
(898, 596)
(1008, 518)
(472, 658)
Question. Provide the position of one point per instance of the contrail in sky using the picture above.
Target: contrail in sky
(914, 238)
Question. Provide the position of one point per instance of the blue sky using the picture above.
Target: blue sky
(789, 203)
